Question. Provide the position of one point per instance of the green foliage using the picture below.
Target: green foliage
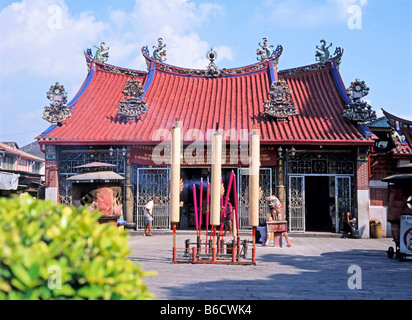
(41, 243)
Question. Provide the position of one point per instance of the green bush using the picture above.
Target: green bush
(41, 243)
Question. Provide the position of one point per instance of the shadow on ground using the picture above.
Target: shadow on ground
(294, 277)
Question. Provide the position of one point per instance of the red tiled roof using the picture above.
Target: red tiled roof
(235, 101)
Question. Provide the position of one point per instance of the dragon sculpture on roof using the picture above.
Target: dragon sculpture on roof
(159, 53)
(324, 53)
(102, 53)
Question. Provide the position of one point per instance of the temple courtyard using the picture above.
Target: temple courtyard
(315, 267)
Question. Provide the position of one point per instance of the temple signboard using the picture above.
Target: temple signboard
(160, 156)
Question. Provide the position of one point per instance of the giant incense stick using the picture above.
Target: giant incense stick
(254, 179)
(175, 175)
(174, 208)
(201, 205)
(215, 187)
(195, 209)
(254, 188)
(216, 179)
(236, 217)
(207, 211)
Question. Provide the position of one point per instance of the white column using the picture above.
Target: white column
(254, 169)
(216, 179)
(175, 176)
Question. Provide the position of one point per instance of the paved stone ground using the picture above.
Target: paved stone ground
(313, 268)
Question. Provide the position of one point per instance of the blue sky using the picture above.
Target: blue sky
(42, 41)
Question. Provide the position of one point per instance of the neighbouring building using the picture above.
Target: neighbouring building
(20, 172)
(315, 146)
(391, 155)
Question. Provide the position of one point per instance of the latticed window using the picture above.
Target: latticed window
(321, 163)
(9, 163)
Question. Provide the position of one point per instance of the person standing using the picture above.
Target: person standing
(148, 216)
(228, 220)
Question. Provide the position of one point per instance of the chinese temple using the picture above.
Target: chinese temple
(315, 146)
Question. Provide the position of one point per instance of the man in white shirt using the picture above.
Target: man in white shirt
(148, 216)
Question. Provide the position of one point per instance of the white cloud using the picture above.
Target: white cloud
(176, 21)
(42, 41)
(41, 37)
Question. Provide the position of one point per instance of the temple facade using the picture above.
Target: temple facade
(315, 146)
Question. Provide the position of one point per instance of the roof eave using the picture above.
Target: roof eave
(389, 115)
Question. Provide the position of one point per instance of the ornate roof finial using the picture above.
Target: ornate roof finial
(132, 106)
(280, 104)
(266, 53)
(57, 111)
(212, 69)
(102, 53)
(324, 53)
(159, 53)
(358, 110)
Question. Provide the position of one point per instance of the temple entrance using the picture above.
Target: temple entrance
(320, 201)
(320, 188)
(316, 202)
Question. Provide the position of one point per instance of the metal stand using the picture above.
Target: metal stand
(222, 252)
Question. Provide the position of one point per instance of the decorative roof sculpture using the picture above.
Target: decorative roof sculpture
(266, 53)
(57, 111)
(280, 104)
(159, 53)
(401, 135)
(133, 105)
(324, 54)
(358, 110)
(102, 53)
(212, 69)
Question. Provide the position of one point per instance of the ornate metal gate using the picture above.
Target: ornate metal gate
(297, 212)
(297, 203)
(339, 165)
(343, 187)
(265, 182)
(153, 183)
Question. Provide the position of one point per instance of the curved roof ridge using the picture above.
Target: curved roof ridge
(112, 68)
(224, 72)
(389, 115)
(315, 66)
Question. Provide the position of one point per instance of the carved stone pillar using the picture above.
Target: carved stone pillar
(128, 215)
(280, 187)
(52, 181)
